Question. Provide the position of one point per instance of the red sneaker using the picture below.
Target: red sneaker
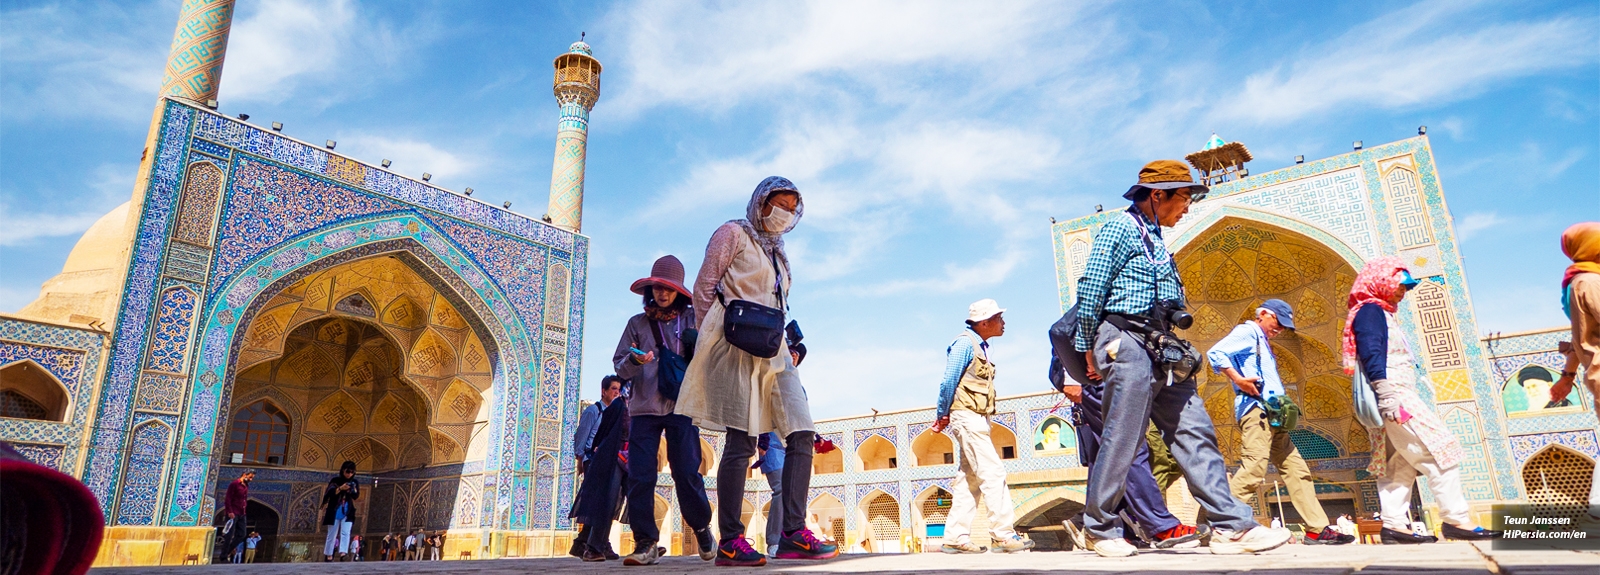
(1178, 535)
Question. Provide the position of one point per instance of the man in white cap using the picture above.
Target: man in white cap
(966, 400)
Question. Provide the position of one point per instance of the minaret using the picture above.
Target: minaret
(194, 66)
(577, 88)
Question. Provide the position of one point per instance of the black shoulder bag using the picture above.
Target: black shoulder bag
(752, 327)
(670, 367)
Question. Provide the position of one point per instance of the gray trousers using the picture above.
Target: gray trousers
(775, 509)
(1133, 398)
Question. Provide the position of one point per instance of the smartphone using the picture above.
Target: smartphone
(636, 351)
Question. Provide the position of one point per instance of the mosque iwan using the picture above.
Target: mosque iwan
(265, 302)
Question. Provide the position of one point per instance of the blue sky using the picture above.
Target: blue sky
(933, 141)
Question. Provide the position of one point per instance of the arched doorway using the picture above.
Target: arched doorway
(881, 529)
(1228, 270)
(929, 512)
(1043, 523)
(260, 518)
(825, 513)
(1557, 481)
(366, 361)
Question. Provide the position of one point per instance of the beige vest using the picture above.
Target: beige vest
(975, 392)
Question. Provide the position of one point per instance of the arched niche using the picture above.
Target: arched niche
(1005, 442)
(830, 462)
(29, 391)
(876, 453)
(933, 448)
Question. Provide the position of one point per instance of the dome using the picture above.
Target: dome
(1216, 142)
(580, 47)
(100, 246)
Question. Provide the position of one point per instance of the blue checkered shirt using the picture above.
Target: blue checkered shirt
(1119, 277)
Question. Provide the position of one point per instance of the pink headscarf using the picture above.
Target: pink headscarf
(1375, 284)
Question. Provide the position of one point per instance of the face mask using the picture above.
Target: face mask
(778, 221)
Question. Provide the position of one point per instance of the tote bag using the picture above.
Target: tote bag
(1365, 401)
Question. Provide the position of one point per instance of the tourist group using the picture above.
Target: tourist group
(721, 357)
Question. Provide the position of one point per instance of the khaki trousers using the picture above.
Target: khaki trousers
(981, 472)
(1259, 444)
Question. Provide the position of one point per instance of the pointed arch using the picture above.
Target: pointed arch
(933, 448)
(29, 391)
(1557, 479)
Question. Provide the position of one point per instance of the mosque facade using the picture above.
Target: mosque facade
(263, 302)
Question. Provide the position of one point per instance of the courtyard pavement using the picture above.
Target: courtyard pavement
(1435, 559)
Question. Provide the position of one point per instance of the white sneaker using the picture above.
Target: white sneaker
(1257, 539)
(1076, 533)
(1112, 547)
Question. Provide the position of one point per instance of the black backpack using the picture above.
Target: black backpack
(1066, 361)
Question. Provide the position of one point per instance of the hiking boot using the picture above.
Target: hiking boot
(1118, 547)
(703, 538)
(737, 552)
(1255, 540)
(1476, 534)
(592, 556)
(1179, 537)
(1392, 537)
(964, 547)
(1013, 544)
(645, 553)
(803, 544)
(1076, 533)
(1328, 536)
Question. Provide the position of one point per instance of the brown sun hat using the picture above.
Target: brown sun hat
(1167, 175)
(667, 272)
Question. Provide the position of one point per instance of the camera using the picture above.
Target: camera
(1171, 313)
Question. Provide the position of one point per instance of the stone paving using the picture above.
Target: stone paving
(1436, 559)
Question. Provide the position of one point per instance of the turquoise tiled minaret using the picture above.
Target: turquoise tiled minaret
(194, 66)
(577, 87)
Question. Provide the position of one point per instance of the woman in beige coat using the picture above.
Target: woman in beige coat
(730, 390)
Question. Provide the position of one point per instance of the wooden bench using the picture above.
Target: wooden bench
(465, 555)
(191, 559)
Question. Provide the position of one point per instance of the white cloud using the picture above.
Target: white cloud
(1469, 225)
(282, 40)
(711, 56)
(409, 156)
(1419, 55)
(96, 60)
(105, 188)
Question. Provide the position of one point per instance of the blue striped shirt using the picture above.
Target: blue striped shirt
(1120, 275)
(958, 355)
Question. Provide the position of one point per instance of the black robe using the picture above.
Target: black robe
(600, 494)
